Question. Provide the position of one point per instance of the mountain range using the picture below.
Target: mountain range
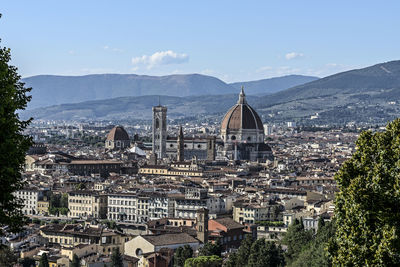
(369, 95)
(52, 89)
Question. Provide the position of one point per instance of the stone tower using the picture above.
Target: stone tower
(160, 131)
(202, 225)
(211, 148)
(180, 156)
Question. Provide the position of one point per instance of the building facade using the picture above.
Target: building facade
(159, 131)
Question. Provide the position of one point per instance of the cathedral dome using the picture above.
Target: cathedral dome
(241, 117)
(117, 133)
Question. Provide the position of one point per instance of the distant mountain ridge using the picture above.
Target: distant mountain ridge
(367, 95)
(273, 85)
(53, 90)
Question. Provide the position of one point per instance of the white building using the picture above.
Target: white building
(30, 198)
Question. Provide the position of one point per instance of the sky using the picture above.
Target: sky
(231, 40)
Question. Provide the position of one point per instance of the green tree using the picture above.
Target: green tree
(315, 253)
(210, 249)
(27, 262)
(265, 253)
(116, 258)
(75, 261)
(367, 207)
(296, 239)
(204, 261)
(44, 262)
(182, 254)
(7, 256)
(13, 143)
(241, 257)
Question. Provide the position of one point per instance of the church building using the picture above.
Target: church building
(242, 134)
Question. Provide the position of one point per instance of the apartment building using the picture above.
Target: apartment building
(29, 198)
(87, 204)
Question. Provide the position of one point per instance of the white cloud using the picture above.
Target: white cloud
(71, 52)
(293, 55)
(113, 49)
(160, 58)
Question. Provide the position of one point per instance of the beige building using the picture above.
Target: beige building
(144, 244)
(71, 236)
(251, 213)
(87, 204)
(43, 206)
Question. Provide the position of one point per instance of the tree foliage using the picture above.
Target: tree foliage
(181, 255)
(367, 208)
(259, 253)
(210, 249)
(75, 261)
(58, 204)
(116, 258)
(13, 143)
(27, 262)
(314, 253)
(296, 239)
(204, 261)
(7, 256)
(44, 262)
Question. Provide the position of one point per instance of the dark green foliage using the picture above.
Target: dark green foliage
(257, 254)
(116, 258)
(44, 262)
(243, 253)
(265, 253)
(13, 144)
(210, 249)
(368, 204)
(181, 255)
(204, 261)
(296, 240)
(58, 204)
(75, 261)
(315, 253)
(7, 256)
(27, 262)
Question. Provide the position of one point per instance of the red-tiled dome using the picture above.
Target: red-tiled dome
(117, 133)
(241, 116)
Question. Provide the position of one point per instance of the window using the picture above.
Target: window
(233, 137)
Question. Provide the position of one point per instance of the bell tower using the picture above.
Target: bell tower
(202, 225)
(180, 146)
(159, 131)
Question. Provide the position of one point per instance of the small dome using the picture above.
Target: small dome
(117, 133)
(241, 116)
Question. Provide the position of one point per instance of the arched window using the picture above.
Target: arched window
(233, 137)
(157, 123)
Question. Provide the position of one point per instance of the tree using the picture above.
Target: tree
(367, 207)
(75, 261)
(315, 253)
(182, 254)
(240, 258)
(116, 258)
(13, 143)
(44, 262)
(296, 239)
(204, 261)
(210, 249)
(265, 253)
(27, 262)
(7, 256)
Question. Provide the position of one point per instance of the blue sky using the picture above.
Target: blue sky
(232, 40)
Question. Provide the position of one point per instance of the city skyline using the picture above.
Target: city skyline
(231, 41)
